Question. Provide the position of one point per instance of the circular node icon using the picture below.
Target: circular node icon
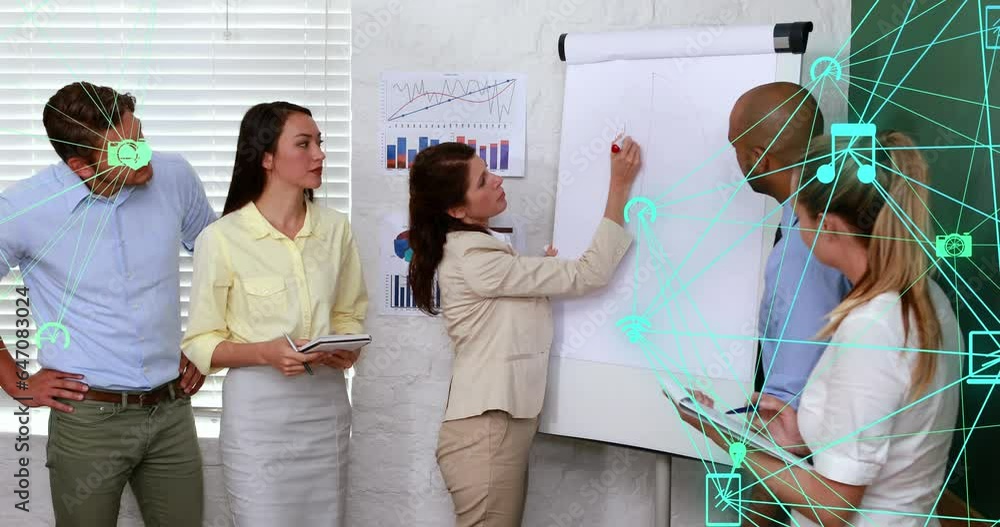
(866, 173)
(955, 245)
(825, 67)
(50, 332)
(634, 326)
(825, 173)
(647, 210)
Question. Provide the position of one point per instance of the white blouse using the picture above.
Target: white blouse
(857, 418)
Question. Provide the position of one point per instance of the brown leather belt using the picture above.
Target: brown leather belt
(150, 398)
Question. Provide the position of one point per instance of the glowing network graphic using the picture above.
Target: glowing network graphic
(489, 106)
(952, 252)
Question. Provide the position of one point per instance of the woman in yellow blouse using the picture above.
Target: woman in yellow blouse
(276, 264)
(496, 309)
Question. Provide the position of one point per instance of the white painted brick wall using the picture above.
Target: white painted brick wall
(402, 381)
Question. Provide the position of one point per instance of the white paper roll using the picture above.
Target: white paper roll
(703, 41)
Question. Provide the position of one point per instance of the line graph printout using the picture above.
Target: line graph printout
(486, 111)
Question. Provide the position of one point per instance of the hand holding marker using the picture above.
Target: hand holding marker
(616, 145)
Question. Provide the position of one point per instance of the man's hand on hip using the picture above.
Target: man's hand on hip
(45, 386)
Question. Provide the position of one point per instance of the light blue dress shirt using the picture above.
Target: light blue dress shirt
(791, 314)
(107, 269)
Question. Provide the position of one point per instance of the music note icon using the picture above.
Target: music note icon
(853, 131)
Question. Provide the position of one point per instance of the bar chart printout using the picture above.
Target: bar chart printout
(400, 296)
(396, 297)
(483, 110)
(397, 155)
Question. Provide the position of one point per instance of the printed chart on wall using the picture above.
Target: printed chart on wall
(396, 298)
(486, 111)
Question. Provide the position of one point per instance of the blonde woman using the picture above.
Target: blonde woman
(881, 390)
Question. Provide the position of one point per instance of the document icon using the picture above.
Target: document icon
(984, 357)
(862, 135)
(722, 500)
(992, 36)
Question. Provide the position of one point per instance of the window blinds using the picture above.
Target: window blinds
(195, 67)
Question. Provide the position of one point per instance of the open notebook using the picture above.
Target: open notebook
(331, 343)
(734, 426)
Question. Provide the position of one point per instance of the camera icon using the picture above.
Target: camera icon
(131, 153)
(953, 245)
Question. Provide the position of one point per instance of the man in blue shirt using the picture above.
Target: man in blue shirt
(97, 238)
(771, 127)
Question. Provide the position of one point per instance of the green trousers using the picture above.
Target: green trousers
(94, 451)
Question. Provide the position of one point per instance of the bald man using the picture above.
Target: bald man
(771, 128)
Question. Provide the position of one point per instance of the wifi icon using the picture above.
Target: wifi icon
(634, 326)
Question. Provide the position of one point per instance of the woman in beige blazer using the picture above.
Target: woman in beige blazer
(496, 308)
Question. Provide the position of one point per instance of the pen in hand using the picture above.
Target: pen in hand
(296, 348)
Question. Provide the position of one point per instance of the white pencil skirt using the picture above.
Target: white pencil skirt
(284, 446)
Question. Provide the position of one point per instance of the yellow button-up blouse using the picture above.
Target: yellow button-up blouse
(252, 283)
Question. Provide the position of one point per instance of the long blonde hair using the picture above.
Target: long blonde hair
(896, 260)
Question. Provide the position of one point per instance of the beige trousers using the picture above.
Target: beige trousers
(484, 461)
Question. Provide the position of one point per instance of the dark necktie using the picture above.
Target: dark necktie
(759, 377)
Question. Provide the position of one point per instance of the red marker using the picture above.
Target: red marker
(616, 145)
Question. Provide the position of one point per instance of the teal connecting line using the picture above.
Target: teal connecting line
(68, 295)
(847, 61)
(885, 64)
(704, 235)
(59, 234)
(644, 237)
(989, 123)
(916, 62)
(673, 350)
(972, 158)
(64, 302)
(923, 241)
(658, 251)
(726, 149)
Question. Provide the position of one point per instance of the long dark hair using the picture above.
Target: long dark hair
(439, 178)
(259, 133)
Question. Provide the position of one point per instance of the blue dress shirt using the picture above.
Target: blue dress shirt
(107, 269)
(791, 314)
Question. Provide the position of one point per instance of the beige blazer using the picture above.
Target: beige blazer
(496, 308)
